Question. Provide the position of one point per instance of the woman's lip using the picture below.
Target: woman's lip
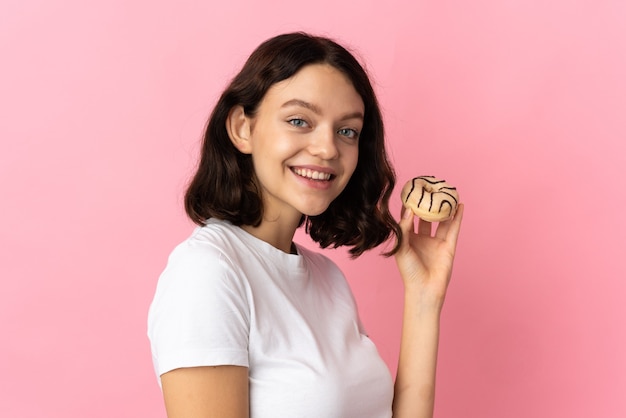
(312, 174)
(319, 184)
(326, 170)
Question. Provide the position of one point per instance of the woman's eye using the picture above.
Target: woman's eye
(298, 123)
(348, 133)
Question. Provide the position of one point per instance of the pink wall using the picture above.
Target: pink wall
(521, 104)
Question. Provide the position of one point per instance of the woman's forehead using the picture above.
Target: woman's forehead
(318, 88)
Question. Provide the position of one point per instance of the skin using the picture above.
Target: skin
(307, 126)
(425, 264)
(307, 122)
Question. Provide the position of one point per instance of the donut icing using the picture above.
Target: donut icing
(430, 199)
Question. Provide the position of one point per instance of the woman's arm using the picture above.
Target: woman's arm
(206, 392)
(425, 264)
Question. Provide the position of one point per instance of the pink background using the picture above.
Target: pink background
(521, 104)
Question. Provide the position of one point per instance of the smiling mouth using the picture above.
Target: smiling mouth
(312, 174)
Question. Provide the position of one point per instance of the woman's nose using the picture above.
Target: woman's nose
(323, 144)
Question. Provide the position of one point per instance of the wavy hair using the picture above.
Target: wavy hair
(225, 187)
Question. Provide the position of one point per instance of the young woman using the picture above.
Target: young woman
(246, 323)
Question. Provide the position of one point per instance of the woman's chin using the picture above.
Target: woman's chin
(314, 211)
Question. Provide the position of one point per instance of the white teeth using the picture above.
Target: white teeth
(312, 174)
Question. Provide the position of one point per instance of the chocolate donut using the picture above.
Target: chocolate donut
(430, 199)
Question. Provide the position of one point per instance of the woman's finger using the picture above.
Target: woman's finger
(449, 230)
(406, 225)
(424, 227)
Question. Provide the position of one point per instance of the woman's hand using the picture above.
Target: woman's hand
(425, 260)
(425, 263)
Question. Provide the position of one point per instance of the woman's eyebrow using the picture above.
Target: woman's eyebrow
(302, 103)
(315, 109)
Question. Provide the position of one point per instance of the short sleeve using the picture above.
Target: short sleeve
(200, 312)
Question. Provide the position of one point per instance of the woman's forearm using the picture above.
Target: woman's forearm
(414, 395)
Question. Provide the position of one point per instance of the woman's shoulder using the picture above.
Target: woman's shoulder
(204, 258)
(215, 240)
(215, 233)
(319, 261)
(315, 256)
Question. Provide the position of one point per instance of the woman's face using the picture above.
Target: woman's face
(304, 140)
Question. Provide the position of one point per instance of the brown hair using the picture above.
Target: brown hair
(225, 187)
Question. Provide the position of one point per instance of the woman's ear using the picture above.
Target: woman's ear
(239, 128)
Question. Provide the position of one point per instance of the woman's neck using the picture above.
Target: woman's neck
(278, 233)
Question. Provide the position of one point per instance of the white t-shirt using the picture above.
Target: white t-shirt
(229, 298)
